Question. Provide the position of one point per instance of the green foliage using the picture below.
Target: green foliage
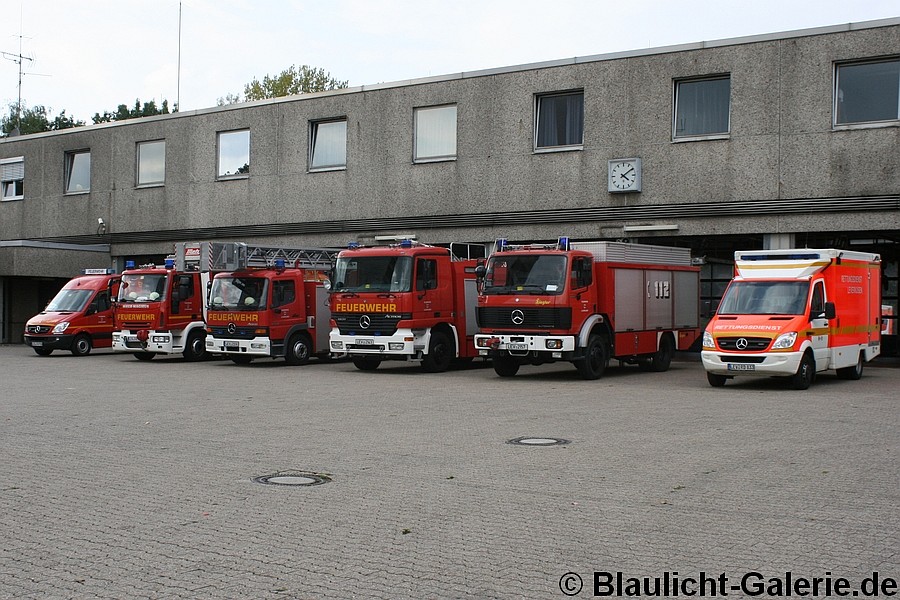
(122, 113)
(291, 81)
(35, 119)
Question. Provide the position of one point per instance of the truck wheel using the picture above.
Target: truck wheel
(145, 356)
(241, 360)
(42, 351)
(195, 348)
(82, 345)
(505, 365)
(803, 378)
(595, 359)
(716, 380)
(662, 358)
(440, 353)
(366, 364)
(853, 373)
(298, 349)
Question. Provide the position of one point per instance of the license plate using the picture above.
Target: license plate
(37, 344)
(231, 344)
(364, 342)
(741, 367)
(517, 346)
(132, 338)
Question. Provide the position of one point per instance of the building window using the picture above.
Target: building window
(435, 133)
(559, 121)
(328, 145)
(234, 154)
(867, 92)
(78, 172)
(151, 163)
(702, 107)
(12, 178)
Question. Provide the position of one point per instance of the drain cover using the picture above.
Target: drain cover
(296, 478)
(538, 441)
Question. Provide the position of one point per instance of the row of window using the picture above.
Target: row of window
(865, 92)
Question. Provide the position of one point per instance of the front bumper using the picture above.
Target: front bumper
(731, 364)
(404, 343)
(127, 341)
(50, 342)
(258, 346)
(559, 346)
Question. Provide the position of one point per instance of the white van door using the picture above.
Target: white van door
(820, 326)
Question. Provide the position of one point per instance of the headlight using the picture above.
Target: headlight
(60, 327)
(395, 346)
(337, 345)
(553, 344)
(708, 341)
(785, 341)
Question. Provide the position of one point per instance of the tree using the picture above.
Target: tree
(293, 80)
(122, 113)
(35, 119)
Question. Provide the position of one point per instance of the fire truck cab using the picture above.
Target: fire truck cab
(79, 318)
(794, 313)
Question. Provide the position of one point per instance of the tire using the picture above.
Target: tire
(42, 351)
(81, 346)
(716, 380)
(195, 348)
(145, 356)
(662, 358)
(805, 374)
(298, 349)
(241, 360)
(441, 353)
(366, 364)
(595, 360)
(852, 373)
(505, 365)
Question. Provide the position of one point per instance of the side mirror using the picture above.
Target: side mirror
(480, 271)
(830, 312)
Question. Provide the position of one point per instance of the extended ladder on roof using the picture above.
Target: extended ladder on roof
(234, 256)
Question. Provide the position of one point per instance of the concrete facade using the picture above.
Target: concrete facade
(783, 171)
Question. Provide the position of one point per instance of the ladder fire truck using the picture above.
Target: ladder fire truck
(268, 302)
(585, 303)
(406, 301)
(161, 309)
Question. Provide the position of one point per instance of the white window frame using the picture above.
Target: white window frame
(138, 164)
(837, 91)
(423, 129)
(220, 176)
(70, 162)
(538, 100)
(11, 171)
(717, 135)
(314, 127)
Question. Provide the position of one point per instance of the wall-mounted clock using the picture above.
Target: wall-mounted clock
(624, 175)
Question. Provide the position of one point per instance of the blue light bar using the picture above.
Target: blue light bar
(279, 263)
(170, 263)
(129, 264)
(563, 243)
(406, 243)
(352, 245)
(500, 245)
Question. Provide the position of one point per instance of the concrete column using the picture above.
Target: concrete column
(778, 241)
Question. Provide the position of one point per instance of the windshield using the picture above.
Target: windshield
(373, 274)
(69, 301)
(142, 288)
(765, 298)
(543, 274)
(238, 293)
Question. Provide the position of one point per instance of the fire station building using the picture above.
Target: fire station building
(778, 140)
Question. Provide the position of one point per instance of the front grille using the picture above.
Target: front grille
(531, 318)
(38, 329)
(240, 333)
(727, 358)
(378, 324)
(754, 344)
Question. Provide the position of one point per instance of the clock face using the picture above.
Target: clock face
(625, 175)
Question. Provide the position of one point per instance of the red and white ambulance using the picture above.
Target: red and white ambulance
(794, 313)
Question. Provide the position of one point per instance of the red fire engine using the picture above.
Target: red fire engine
(407, 301)
(161, 309)
(585, 303)
(268, 302)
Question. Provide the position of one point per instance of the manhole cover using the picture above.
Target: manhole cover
(301, 478)
(538, 441)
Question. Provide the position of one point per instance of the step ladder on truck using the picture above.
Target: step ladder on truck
(268, 302)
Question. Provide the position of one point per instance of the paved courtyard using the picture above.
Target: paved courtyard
(125, 479)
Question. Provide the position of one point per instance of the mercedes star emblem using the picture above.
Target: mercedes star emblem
(741, 344)
(518, 317)
(232, 328)
(365, 321)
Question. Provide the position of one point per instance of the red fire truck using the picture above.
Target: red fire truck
(406, 301)
(79, 317)
(161, 309)
(585, 303)
(268, 302)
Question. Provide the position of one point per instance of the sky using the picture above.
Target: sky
(90, 56)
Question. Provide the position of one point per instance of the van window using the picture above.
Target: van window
(817, 304)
